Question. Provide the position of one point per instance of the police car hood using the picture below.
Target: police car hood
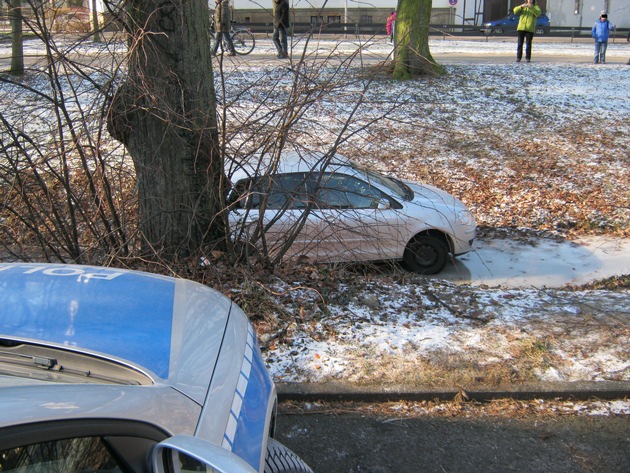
(170, 329)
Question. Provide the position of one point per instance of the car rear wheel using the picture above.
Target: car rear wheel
(540, 31)
(425, 255)
(282, 460)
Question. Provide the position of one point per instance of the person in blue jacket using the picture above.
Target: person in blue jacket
(601, 32)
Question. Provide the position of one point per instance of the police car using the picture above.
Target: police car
(104, 369)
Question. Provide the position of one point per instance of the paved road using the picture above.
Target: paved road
(351, 442)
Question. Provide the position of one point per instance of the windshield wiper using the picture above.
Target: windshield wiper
(51, 364)
(38, 361)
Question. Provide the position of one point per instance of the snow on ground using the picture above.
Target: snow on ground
(381, 331)
(393, 328)
(400, 333)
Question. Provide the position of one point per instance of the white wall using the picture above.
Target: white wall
(350, 3)
(317, 3)
(562, 12)
(463, 8)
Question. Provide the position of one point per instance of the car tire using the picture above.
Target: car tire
(282, 460)
(540, 31)
(425, 255)
(499, 31)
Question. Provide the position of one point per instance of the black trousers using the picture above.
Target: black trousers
(280, 39)
(524, 37)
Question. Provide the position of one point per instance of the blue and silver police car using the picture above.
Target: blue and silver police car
(104, 369)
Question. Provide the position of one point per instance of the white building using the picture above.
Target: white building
(563, 13)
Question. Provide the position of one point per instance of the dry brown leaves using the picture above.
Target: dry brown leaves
(458, 407)
(570, 181)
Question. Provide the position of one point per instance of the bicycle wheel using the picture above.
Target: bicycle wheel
(244, 41)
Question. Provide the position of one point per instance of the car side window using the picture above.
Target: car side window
(85, 454)
(283, 191)
(238, 195)
(347, 192)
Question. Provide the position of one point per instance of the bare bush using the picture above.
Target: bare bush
(267, 118)
(66, 187)
(69, 189)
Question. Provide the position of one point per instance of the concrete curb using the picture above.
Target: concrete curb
(582, 391)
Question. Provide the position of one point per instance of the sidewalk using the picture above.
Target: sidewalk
(502, 49)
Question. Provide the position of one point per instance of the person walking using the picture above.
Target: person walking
(601, 32)
(222, 23)
(390, 26)
(280, 26)
(529, 13)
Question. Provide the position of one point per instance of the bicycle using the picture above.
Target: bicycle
(242, 38)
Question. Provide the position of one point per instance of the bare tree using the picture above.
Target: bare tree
(69, 192)
(281, 123)
(413, 57)
(165, 115)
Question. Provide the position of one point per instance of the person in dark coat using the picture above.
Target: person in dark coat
(280, 26)
(222, 23)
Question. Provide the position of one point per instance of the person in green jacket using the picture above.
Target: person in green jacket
(529, 13)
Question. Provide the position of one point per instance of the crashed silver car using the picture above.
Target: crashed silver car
(329, 209)
(104, 369)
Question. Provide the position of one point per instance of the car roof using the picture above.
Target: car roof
(139, 319)
(288, 163)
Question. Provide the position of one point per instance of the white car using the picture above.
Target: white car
(338, 211)
(109, 370)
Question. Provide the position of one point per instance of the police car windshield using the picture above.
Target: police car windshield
(59, 365)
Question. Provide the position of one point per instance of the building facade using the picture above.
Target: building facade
(562, 13)
(468, 13)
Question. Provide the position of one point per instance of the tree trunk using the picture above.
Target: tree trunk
(95, 23)
(165, 114)
(412, 56)
(17, 38)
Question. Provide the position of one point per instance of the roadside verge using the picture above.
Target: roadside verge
(582, 391)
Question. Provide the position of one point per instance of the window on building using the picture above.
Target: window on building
(317, 20)
(334, 19)
(363, 19)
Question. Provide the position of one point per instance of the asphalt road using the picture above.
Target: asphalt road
(337, 441)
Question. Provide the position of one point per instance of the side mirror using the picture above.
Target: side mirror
(384, 204)
(185, 453)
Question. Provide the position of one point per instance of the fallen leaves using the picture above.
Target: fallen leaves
(463, 406)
